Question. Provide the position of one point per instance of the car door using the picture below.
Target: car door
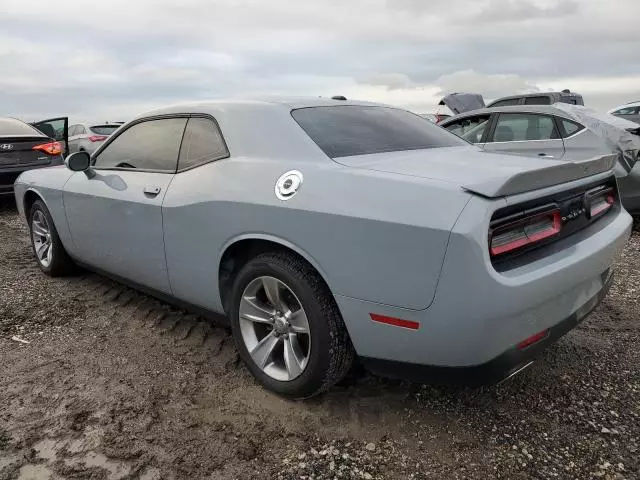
(472, 128)
(56, 128)
(530, 134)
(115, 211)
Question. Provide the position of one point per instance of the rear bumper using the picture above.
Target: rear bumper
(503, 366)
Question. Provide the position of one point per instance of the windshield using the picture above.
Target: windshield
(104, 129)
(350, 130)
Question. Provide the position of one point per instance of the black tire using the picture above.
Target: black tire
(61, 264)
(331, 353)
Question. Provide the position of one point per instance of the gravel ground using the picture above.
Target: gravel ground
(116, 385)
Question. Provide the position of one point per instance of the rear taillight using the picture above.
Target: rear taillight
(52, 148)
(523, 232)
(97, 138)
(601, 202)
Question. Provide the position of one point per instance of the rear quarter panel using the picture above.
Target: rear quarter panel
(371, 235)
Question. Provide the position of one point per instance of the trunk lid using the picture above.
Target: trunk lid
(483, 173)
(18, 150)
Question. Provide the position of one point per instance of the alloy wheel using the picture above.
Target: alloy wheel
(275, 328)
(41, 235)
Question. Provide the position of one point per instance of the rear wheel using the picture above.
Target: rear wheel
(287, 326)
(47, 247)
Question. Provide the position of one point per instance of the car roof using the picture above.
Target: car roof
(289, 103)
(541, 109)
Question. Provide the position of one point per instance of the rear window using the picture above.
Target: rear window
(104, 129)
(349, 130)
(10, 126)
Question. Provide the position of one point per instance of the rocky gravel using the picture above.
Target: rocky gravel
(99, 381)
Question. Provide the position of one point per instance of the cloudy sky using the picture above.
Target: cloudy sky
(110, 59)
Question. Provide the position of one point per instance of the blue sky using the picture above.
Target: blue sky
(110, 60)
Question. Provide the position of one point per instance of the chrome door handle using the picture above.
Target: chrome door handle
(152, 191)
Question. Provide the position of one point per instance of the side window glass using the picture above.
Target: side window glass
(507, 103)
(570, 127)
(518, 127)
(202, 143)
(149, 145)
(541, 100)
(471, 129)
(72, 130)
(80, 130)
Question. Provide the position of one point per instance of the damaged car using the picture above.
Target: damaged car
(327, 230)
(556, 133)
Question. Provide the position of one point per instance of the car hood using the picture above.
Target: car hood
(484, 173)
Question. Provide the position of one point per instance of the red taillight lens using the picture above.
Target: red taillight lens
(601, 203)
(521, 233)
(52, 148)
(97, 138)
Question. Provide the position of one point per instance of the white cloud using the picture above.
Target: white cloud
(126, 54)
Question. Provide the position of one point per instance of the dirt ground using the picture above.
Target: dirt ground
(116, 385)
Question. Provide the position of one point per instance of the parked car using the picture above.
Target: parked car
(23, 147)
(57, 129)
(552, 133)
(327, 229)
(630, 111)
(539, 98)
(88, 138)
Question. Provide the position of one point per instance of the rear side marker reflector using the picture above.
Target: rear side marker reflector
(396, 322)
(533, 339)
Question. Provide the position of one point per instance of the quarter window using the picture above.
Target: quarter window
(570, 127)
(149, 145)
(518, 127)
(202, 143)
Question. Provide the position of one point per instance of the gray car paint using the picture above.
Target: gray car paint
(404, 243)
(603, 135)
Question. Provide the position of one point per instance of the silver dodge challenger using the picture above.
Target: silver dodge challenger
(327, 230)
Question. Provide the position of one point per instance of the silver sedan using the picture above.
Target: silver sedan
(325, 229)
(556, 133)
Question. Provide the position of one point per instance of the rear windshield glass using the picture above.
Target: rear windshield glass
(104, 129)
(348, 130)
(10, 126)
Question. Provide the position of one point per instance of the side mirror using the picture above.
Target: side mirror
(79, 162)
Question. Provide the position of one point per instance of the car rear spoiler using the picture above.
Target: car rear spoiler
(543, 177)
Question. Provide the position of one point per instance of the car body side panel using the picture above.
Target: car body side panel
(552, 149)
(47, 184)
(479, 313)
(397, 226)
(117, 227)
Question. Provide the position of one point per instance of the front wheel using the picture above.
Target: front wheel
(287, 326)
(47, 247)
